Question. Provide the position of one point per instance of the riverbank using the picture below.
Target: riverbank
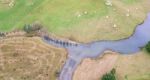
(93, 69)
(132, 67)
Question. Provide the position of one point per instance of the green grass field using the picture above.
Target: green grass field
(54, 14)
(75, 18)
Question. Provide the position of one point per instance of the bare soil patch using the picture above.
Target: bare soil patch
(91, 69)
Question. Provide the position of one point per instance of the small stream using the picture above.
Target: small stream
(78, 52)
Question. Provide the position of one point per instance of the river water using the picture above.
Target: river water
(129, 45)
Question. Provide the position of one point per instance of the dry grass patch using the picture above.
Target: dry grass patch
(23, 58)
(91, 69)
(128, 67)
(133, 67)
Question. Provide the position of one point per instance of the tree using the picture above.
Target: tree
(27, 28)
(109, 76)
(147, 47)
(2, 34)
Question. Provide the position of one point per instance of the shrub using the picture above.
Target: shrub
(27, 28)
(2, 34)
(109, 76)
(147, 47)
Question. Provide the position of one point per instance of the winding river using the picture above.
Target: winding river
(78, 52)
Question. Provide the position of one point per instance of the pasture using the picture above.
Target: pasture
(84, 21)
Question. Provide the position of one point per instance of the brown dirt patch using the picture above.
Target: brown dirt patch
(29, 58)
(91, 69)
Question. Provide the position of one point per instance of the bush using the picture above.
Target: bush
(29, 28)
(2, 34)
(109, 76)
(147, 47)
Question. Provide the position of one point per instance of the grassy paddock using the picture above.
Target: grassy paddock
(76, 18)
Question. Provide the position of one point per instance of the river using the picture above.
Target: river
(78, 52)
